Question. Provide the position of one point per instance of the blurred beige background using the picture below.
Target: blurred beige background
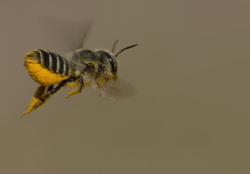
(191, 71)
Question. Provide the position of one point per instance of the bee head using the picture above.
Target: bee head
(108, 63)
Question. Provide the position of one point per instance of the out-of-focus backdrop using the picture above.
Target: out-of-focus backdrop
(191, 72)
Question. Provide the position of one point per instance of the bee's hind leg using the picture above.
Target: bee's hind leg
(36, 101)
(52, 90)
(46, 95)
(78, 90)
(41, 96)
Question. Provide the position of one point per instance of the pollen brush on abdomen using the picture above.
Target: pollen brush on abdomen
(47, 68)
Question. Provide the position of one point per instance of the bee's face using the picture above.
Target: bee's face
(108, 64)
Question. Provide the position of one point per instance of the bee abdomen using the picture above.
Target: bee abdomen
(53, 62)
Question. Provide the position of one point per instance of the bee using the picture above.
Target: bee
(83, 67)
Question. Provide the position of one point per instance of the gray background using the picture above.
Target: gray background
(190, 70)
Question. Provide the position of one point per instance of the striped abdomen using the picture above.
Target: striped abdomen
(47, 68)
(53, 62)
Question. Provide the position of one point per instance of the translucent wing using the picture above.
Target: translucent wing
(64, 34)
(116, 90)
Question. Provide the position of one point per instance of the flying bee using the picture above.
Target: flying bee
(82, 68)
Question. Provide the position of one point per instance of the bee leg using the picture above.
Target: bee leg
(78, 90)
(47, 94)
(36, 101)
(100, 91)
(100, 86)
(52, 90)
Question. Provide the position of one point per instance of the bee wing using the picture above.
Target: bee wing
(67, 35)
(116, 90)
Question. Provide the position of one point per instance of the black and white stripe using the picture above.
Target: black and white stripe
(53, 62)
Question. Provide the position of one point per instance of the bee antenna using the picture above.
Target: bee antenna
(113, 49)
(125, 49)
